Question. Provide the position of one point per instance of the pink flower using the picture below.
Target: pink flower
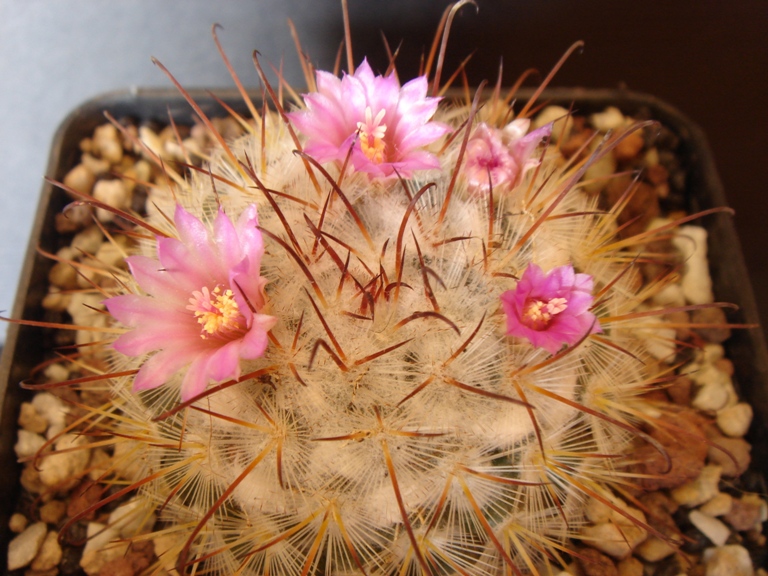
(385, 125)
(552, 309)
(201, 311)
(504, 155)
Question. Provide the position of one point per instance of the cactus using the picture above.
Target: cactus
(395, 337)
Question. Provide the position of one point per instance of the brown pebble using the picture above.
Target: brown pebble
(17, 523)
(659, 504)
(63, 275)
(629, 147)
(680, 390)
(141, 555)
(662, 190)
(744, 514)
(756, 537)
(642, 207)
(718, 333)
(56, 300)
(657, 174)
(595, 563)
(734, 456)
(575, 142)
(74, 218)
(84, 496)
(681, 449)
(655, 395)
(53, 511)
(664, 261)
(51, 572)
(117, 567)
(95, 396)
(724, 365)
(659, 508)
(630, 566)
(680, 318)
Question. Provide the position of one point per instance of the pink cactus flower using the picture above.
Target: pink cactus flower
(552, 309)
(201, 311)
(385, 125)
(495, 158)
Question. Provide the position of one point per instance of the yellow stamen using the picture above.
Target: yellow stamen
(538, 313)
(371, 133)
(217, 311)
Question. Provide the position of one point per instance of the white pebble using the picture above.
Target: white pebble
(63, 466)
(515, 130)
(56, 373)
(672, 295)
(556, 114)
(734, 420)
(190, 145)
(152, 141)
(28, 443)
(696, 282)
(63, 275)
(132, 518)
(81, 308)
(713, 352)
(84, 338)
(731, 560)
(652, 157)
(712, 528)
(18, 523)
(111, 254)
(55, 300)
(51, 408)
(655, 549)
(597, 175)
(610, 119)
(719, 505)
(711, 397)
(716, 392)
(167, 547)
(101, 547)
(115, 194)
(658, 341)
(23, 549)
(80, 178)
(616, 541)
(107, 141)
(701, 489)
(49, 555)
(95, 165)
(87, 241)
(128, 462)
(30, 420)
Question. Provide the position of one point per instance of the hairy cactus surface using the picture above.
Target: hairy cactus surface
(380, 333)
(392, 423)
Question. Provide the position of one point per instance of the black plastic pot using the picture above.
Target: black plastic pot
(25, 345)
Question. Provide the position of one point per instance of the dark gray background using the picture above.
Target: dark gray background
(706, 57)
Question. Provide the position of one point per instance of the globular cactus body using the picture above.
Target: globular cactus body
(392, 426)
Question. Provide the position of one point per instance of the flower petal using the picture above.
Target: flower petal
(159, 369)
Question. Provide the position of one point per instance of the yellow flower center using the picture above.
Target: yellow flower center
(371, 133)
(216, 311)
(537, 314)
